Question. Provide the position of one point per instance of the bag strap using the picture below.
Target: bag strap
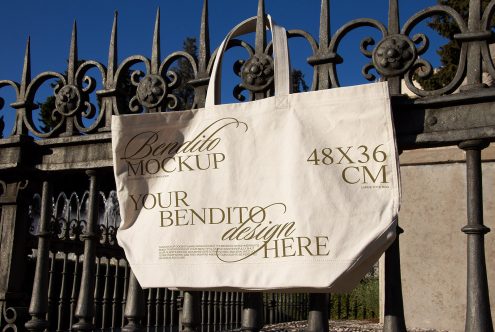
(281, 60)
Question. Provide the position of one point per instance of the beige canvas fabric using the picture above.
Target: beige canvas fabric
(295, 192)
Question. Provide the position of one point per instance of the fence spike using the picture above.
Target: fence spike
(26, 69)
(394, 82)
(393, 17)
(204, 40)
(71, 68)
(260, 42)
(155, 50)
(112, 51)
(324, 24)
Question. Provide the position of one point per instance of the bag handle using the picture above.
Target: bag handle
(281, 59)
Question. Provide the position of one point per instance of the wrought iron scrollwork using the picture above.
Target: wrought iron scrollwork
(397, 54)
(68, 222)
(345, 30)
(9, 315)
(423, 67)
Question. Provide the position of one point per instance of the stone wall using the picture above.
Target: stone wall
(433, 248)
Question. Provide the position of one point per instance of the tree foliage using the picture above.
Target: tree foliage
(298, 82)
(450, 52)
(185, 91)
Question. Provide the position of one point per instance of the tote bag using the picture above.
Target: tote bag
(294, 192)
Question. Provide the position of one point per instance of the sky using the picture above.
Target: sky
(49, 23)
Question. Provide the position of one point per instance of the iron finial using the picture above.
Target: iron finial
(112, 50)
(324, 24)
(204, 39)
(155, 51)
(71, 69)
(260, 43)
(393, 17)
(26, 69)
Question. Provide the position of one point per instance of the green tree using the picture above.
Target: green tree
(298, 82)
(185, 92)
(46, 111)
(450, 52)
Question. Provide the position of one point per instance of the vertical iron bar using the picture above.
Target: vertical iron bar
(165, 309)
(106, 296)
(284, 306)
(252, 316)
(109, 99)
(21, 105)
(394, 82)
(474, 59)
(277, 308)
(323, 69)
(220, 310)
(209, 311)
(125, 291)
(190, 311)
(232, 324)
(260, 39)
(228, 310)
(200, 83)
(134, 308)
(394, 309)
(63, 294)
(149, 306)
(49, 314)
(85, 308)
(158, 297)
(203, 310)
(478, 314)
(96, 295)
(39, 298)
(318, 313)
(271, 306)
(215, 311)
(173, 309)
(74, 290)
(115, 294)
(239, 299)
(72, 64)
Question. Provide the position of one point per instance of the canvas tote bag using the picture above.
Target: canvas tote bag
(294, 192)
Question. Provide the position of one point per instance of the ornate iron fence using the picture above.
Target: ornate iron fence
(60, 266)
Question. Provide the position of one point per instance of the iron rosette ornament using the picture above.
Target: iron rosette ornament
(151, 91)
(394, 55)
(257, 73)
